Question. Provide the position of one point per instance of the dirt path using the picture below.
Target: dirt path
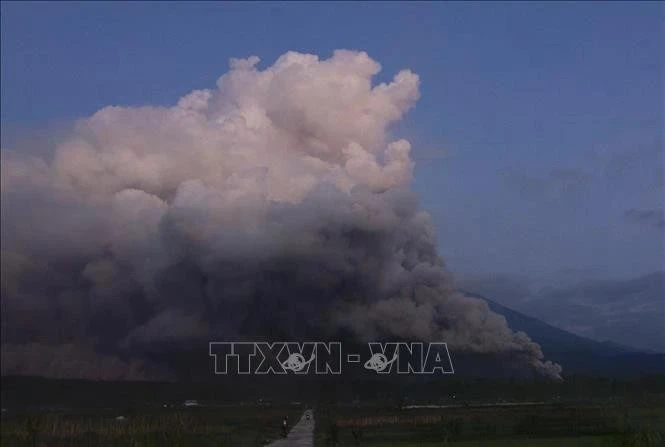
(301, 435)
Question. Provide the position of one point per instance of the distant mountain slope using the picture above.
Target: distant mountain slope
(629, 312)
(580, 355)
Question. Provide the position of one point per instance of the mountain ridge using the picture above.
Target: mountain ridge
(578, 354)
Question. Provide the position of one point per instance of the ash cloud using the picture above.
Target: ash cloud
(273, 205)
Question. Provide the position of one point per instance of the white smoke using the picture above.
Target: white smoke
(280, 186)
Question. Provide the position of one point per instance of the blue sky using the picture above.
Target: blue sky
(539, 128)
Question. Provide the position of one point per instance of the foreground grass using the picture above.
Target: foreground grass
(580, 441)
(531, 426)
(218, 427)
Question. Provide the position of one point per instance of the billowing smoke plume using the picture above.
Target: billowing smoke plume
(273, 205)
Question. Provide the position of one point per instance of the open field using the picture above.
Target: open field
(578, 412)
(579, 441)
(524, 426)
(501, 426)
(230, 426)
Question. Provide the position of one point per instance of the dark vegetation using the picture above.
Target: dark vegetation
(182, 427)
(240, 412)
(638, 425)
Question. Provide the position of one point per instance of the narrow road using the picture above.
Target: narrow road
(301, 435)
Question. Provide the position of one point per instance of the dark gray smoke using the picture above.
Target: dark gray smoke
(273, 205)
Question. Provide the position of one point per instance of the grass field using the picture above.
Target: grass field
(580, 412)
(578, 441)
(219, 427)
(530, 426)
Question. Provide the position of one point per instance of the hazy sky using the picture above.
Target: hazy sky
(538, 136)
